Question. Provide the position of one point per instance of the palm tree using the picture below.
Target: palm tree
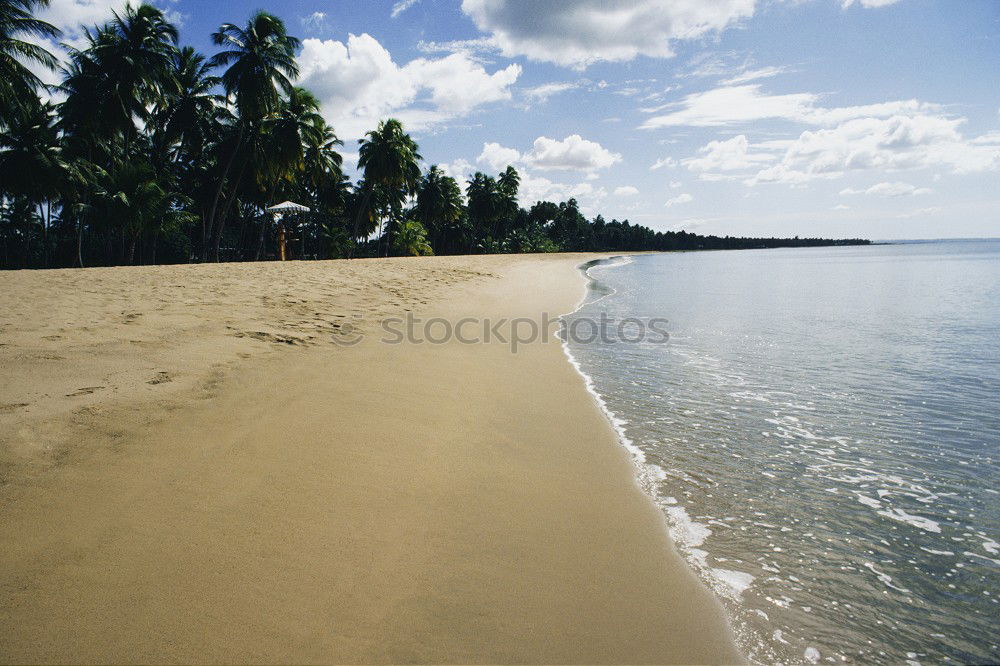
(113, 86)
(390, 161)
(409, 238)
(191, 114)
(187, 126)
(295, 125)
(508, 184)
(32, 167)
(136, 53)
(260, 62)
(83, 119)
(129, 197)
(439, 204)
(322, 181)
(279, 157)
(484, 206)
(19, 84)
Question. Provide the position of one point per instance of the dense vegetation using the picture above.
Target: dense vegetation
(156, 153)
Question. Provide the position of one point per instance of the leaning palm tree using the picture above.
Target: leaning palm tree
(260, 63)
(17, 82)
(390, 161)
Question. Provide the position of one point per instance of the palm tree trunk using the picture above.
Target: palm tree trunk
(79, 241)
(221, 222)
(260, 237)
(357, 218)
(263, 223)
(241, 211)
(204, 236)
(45, 233)
(218, 193)
(26, 259)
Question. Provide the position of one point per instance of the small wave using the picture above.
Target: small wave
(920, 522)
(738, 581)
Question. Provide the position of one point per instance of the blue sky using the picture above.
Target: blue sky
(872, 118)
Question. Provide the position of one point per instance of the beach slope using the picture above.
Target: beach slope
(196, 467)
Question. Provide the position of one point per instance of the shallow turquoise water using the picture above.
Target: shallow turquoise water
(822, 431)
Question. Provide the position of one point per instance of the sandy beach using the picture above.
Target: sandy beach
(195, 467)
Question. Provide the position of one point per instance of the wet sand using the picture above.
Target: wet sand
(241, 488)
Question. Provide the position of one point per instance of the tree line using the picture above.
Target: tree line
(147, 151)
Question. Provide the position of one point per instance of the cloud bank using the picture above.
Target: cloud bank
(359, 83)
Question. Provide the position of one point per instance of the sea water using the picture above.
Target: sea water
(822, 433)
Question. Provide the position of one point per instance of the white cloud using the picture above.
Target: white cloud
(888, 190)
(674, 184)
(461, 170)
(692, 223)
(663, 162)
(315, 21)
(679, 199)
(498, 157)
(887, 136)
(351, 158)
(572, 153)
(70, 15)
(537, 188)
(402, 6)
(885, 144)
(869, 3)
(841, 207)
(732, 105)
(729, 155)
(359, 84)
(542, 92)
(988, 139)
(920, 212)
(578, 33)
(626, 191)
(748, 75)
(470, 47)
(745, 104)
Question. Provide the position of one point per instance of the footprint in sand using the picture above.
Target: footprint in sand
(11, 406)
(162, 377)
(86, 390)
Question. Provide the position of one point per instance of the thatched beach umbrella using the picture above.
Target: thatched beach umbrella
(279, 211)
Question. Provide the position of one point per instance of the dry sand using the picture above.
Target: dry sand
(192, 470)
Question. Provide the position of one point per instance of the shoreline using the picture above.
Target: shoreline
(364, 503)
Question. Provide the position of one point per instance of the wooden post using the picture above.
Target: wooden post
(281, 240)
